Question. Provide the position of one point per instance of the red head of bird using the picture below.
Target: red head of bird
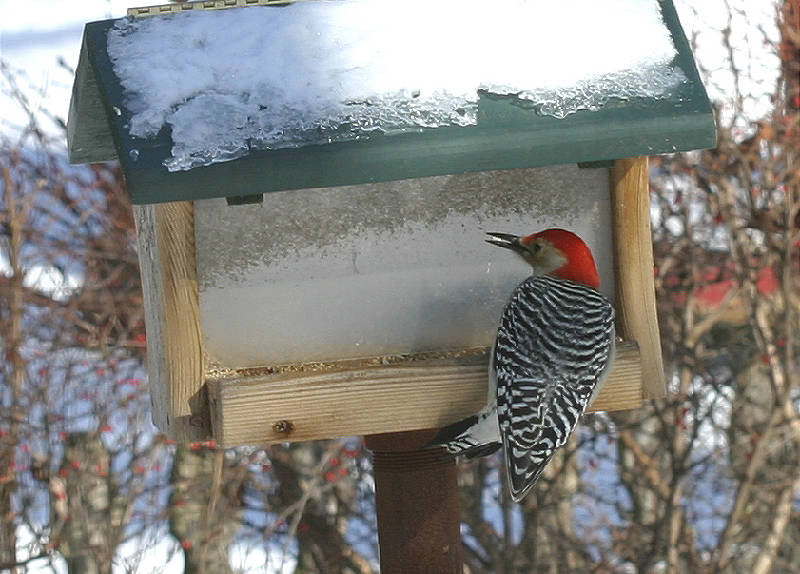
(555, 252)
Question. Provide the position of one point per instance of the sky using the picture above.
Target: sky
(33, 36)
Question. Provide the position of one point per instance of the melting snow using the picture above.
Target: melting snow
(228, 81)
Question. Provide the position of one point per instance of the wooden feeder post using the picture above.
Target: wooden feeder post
(416, 500)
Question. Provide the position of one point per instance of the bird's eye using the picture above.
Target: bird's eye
(534, 248)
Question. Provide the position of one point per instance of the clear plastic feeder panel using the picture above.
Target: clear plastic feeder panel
(380, 269)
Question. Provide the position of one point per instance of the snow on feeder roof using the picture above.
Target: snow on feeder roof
(326, 93)
(318, 72)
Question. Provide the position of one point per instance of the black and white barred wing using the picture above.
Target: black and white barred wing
(555, 345)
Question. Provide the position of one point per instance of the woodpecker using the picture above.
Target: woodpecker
(553, 351)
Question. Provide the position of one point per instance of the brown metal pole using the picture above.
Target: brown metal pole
(416, 495)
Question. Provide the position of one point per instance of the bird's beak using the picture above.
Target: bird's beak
(506, 240)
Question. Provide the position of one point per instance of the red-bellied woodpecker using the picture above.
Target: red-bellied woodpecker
(554, 349)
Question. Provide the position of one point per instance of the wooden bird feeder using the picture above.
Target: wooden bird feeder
(342, 287)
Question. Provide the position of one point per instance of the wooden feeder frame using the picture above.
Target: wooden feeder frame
(193, 401)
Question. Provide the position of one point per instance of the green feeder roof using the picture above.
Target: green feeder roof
(504, 132)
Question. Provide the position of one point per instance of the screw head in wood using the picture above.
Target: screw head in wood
(283, 427)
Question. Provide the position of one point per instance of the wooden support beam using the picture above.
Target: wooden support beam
(172, 319)
(350, 398)
(416, 500)
(634, 269)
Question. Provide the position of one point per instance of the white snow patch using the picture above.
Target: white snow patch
(52, 281)
(229, 81)
(155, 552)
(254, 558)
(46, 279)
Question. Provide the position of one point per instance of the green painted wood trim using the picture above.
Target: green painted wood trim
(605, 164)
(507, 136)
(88, 127)
(245, 199)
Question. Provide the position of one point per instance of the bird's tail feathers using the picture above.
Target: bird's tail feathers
(521, 479)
